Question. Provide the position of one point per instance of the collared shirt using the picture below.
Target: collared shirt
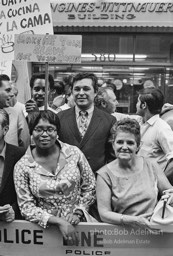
(89, 116)
(156, 140)
(38, 190)
(2, 160)
(120, 116)
(18, 133)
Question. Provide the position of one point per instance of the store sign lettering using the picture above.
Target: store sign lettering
(109, 10)
(101, 16)
(102, 57)
(127, 13)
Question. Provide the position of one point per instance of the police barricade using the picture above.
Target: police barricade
(22, 238)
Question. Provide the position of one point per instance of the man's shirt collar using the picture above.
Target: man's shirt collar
(153, 119)
(90, 110)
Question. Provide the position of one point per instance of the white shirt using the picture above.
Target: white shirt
(18, 133)
(2, 160)
(120, 116)
(19, 106)
(156, 140)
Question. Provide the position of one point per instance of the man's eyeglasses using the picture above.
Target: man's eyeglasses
(49, 130)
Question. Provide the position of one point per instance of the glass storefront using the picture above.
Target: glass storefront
(130, 61)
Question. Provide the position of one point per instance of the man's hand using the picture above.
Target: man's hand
(5, 208)
(31, 105)
(7, 213)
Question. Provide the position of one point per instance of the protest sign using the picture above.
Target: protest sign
(48, 48)
(22, 238)
(22, 16)
(5, 67)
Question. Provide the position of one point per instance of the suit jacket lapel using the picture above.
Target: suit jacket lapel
(73, 125)
(94, 123)
(8, 163)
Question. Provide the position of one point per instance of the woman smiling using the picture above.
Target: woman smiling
(54, 182)
(127, 188)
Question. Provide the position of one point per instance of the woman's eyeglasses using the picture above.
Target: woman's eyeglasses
(49, 130)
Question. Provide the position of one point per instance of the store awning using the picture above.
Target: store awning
(77, 29)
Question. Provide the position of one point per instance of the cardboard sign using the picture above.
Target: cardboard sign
(22, 16)
(22, 238)
(48, 48)
(5, 67)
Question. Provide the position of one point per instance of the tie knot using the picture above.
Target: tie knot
(83, 113)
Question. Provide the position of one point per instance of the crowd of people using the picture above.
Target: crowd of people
(80, 160)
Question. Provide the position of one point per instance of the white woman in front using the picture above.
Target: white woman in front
(127, 188)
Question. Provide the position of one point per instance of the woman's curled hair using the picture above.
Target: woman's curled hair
(126, 125)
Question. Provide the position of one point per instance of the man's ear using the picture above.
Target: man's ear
(143, 105)
(5, 129)
(103, 104)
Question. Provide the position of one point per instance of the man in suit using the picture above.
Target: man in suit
(90, 133)
(9, 155)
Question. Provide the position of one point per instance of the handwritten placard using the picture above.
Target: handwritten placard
(5, 67)
(48, 48)
(22, 16)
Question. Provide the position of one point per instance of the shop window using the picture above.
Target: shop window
(157, 48)
(107, 48)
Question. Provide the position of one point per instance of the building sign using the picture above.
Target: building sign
(22, 238)
(48, 48)
(22, 16)
(112, 13)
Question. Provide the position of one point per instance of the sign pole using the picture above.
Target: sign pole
(46, 85)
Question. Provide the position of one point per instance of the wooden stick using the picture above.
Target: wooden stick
(46, 85)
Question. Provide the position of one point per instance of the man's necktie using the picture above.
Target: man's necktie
(83, 122)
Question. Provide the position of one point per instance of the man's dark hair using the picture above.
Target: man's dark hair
(59, 87)
(5, 120)
(4, 78)
(48, 115)
(91, 76)
(42, 76)
(154, 99)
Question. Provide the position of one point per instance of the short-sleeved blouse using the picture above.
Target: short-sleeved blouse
(133, 194)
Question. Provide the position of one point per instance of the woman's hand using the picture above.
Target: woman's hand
(68, 231)
(168, 195)
(143, 221)
(72, 218)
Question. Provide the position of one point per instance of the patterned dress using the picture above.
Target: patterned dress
(38, 190)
